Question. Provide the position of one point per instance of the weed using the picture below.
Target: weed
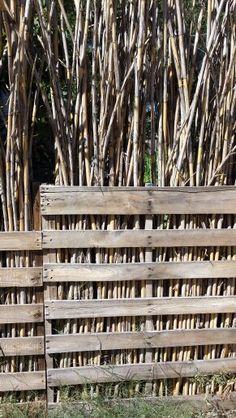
(138, 408)
(220, 379)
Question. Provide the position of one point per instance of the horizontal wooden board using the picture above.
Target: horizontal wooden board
(139, 238)
(64, 272)
(137, 372)
(11, 382)
(20, 241)
(21, 277)
(21, 346)
(58, 309)
(17, 314)
(57, 200)
(70, 343)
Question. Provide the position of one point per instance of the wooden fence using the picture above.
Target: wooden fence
(139, 285)
(19, 345)
(139, 294)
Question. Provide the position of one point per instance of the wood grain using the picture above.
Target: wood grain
(11, 382)
(137, 372)
(139, 238)
(21, 277)
(72, 200)
(131, 340)
(20, 241)
(50, 292)
(59, 309)
(21, 346)
(66, 272)
(19, 314)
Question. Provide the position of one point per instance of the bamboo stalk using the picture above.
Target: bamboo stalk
(121, 83)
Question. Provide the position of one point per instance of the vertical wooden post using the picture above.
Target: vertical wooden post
(38, 261)
(50, 293)
(149, 293)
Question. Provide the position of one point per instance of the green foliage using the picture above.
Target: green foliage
(98, 407)
(219, 379)
(11, 409)
(148, 167)
(138, 408)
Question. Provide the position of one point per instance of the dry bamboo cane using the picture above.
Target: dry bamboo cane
(123, 42)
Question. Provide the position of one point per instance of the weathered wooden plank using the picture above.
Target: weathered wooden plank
(132, 340)
(64, 272)
(56, 200)
(17, 314)
(21, 277)
(148, 286)
(139, 238)
(137, 372)
(21, 346)
(50, 292)
(20, 241)
(11, 382)
(58, 309)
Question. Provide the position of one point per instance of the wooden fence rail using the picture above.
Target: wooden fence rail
(66, 272)
(20, 241)
(131, 340)
(58, 200)
(21, 277)
(138, 238)
(69, 309)
(140, 372)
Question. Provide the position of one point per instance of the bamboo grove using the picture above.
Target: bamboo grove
(133, 92)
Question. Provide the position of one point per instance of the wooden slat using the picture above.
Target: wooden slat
(132, 340)
(11, 382)
(21, 346)
(21, 277)
(137, 372)
(64, 272)
(17, 314)
(139, 238)
(56, 200)
(50, 292)
(58, 309)
(149, 323)
(14, 241)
